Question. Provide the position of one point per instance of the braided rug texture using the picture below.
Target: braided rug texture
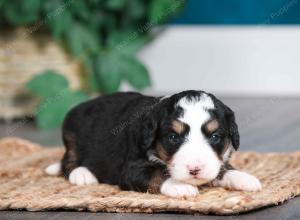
(24, 185)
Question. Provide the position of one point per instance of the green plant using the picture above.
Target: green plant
(56, 98)
(103, 35)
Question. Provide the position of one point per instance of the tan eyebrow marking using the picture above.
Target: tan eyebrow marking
(212, 126)
(178, 127)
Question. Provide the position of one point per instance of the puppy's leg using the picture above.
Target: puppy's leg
(82, 176)
(71, 163)
(143, 176)
(238, 180)
(174, 188)
(70, 160)
(146, 176)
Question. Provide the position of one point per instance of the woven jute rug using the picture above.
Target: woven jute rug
(24, 185)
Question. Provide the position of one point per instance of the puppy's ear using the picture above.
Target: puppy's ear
(148, 131)
(232, 128)
(150, 124)
(151, 121)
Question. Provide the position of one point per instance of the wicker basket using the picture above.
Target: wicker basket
(23, 55)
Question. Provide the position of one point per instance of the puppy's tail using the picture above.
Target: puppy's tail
(54, 169)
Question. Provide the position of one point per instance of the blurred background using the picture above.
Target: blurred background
(55, 54)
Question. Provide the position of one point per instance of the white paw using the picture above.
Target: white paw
(82, 176)
(53, 169)
(238, 180)
(174, 188)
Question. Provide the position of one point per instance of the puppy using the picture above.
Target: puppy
(167, 145)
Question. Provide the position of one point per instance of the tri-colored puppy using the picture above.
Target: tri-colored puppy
(167, 145)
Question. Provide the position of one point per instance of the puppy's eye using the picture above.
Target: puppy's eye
(174, 138)
(215, 138)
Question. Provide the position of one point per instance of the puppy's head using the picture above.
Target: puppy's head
(194, 134)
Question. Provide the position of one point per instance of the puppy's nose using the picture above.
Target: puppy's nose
(194, 171)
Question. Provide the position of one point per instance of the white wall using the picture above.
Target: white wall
(226, 60)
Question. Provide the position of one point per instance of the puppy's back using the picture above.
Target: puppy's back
(94, 133)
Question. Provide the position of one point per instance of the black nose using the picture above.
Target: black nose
(194, 171)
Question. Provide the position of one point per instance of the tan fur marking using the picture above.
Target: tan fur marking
(226, 147)
(212, 126)
(162, 154)
(157, 179)
(178, 127)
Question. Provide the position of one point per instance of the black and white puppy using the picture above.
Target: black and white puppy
(167, 145)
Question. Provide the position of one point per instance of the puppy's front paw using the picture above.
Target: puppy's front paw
(82, 176)
(238, 180)
(174, 188)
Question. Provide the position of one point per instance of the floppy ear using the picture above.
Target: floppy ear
(150, 124)
(148, 131)
(233, 128)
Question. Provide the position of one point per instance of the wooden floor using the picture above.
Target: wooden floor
(265, 124)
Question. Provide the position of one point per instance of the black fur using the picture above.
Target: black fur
(112, 136)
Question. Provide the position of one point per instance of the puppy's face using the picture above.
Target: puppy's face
(196, 138)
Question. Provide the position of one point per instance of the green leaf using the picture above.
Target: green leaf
(110, 21)
(52, 111)
(80, 8)
(115, 4)
(52, 8)
(127, 43)
(60, 24)
(47, 83)
(1, 2)
(160, 10)
(108, 73)
(22, 12)
(112, 67)
(82, 40)
(136, 73)
(31, 6)
(96, 20)
(136, 9)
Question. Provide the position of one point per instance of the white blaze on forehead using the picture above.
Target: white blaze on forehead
(195, 110)
(195, 151)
